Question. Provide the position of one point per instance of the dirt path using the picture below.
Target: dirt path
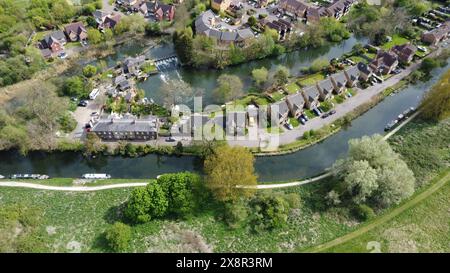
(384, 218)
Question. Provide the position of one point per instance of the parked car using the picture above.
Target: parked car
(62, 55)
(170, 139)
(303, 116)
(289, 126)
(349, 95)
(83, 103)
(302, 121)
(316, 111)
(325, 115)
(332, 112)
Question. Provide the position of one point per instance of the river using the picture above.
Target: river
(304, 163)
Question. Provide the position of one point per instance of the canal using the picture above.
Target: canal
(304, 163)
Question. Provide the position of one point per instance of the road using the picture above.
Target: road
(384, 218)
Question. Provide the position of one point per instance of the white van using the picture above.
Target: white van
(94, 94)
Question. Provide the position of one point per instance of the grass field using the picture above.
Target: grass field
(396, 40)
(422, 227)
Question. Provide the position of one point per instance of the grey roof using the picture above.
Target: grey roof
(340, 79)
(148, 124)
(58, 35)
(203, 25)
(353, 73)
(296, 100)
(46, 52)
(99, 14)
(364, 68)
(280, 107)
(311, 92)
(326, 85)
(119, 79)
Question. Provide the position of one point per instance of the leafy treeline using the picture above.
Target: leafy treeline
(18, 22)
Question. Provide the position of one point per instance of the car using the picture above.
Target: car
(349, 95)
(325, 115)
(94, 113)
(303, 116)
(62, 55)
(332, 112)
(83, 103)
(84, 43)
(302, 121)
(289, 126)
(316, 111)
(170, 139)
(116, 9)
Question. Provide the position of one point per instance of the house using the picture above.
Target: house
(405, 52)
(296, 103)
(339, 82)
(76, 31)
(205, 25)
(119, 79)
(160, 11)
(339, 8)
(129, 3)
(100, 16)
(325, 89)
(384, 63)
(293, 8)
(282, 27)
(220, 5)
(46, 53)
(131, 65)
(124, 85)
(313, 15)
(352, 75)
(54, 41)
(236, 121)
(279, 112)
(128, 128)
(365, 73)
(437, 35)
(311, 95)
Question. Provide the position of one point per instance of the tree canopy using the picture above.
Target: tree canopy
(227, 168)
(435, 104)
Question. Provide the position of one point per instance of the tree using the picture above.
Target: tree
(152, 29)
(318, 64)
(260, 75)
(183, 42)
(360, 180)
(226, 169)
(147, 203)
(229, 88)
(252, 21)
(435, 104)
(94, 35)
(118, 236)
(269, 211)
(93, 144)
(236, 213)
(75, 87)
(374, 174)
(281, 75)
(179, 189)
(89, 70)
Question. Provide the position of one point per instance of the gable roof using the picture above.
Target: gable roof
(76, 28)
(296, 100)
(311, 93)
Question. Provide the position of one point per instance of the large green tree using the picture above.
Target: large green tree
(436, 103)
(228, 168)
(229, 88)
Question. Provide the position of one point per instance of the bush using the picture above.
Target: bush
(118, 236)
(236, 214)
(146, 203)
(269, 211)
(363, 212)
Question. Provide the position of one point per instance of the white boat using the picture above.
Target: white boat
(96, 176)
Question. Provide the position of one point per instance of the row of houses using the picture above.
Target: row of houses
(293, 105)
(128, 128)
(206, 24)
(154, 9)
(303, 10)
(437, 35)
(54, 42)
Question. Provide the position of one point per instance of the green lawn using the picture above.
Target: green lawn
(294, 122)
(419, 225)
(259, 100)
(311, 79)
(277, 96)
(292, 88)
(396, 40)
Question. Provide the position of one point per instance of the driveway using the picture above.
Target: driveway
(83, 115)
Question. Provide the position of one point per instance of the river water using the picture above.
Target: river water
(304, 163)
